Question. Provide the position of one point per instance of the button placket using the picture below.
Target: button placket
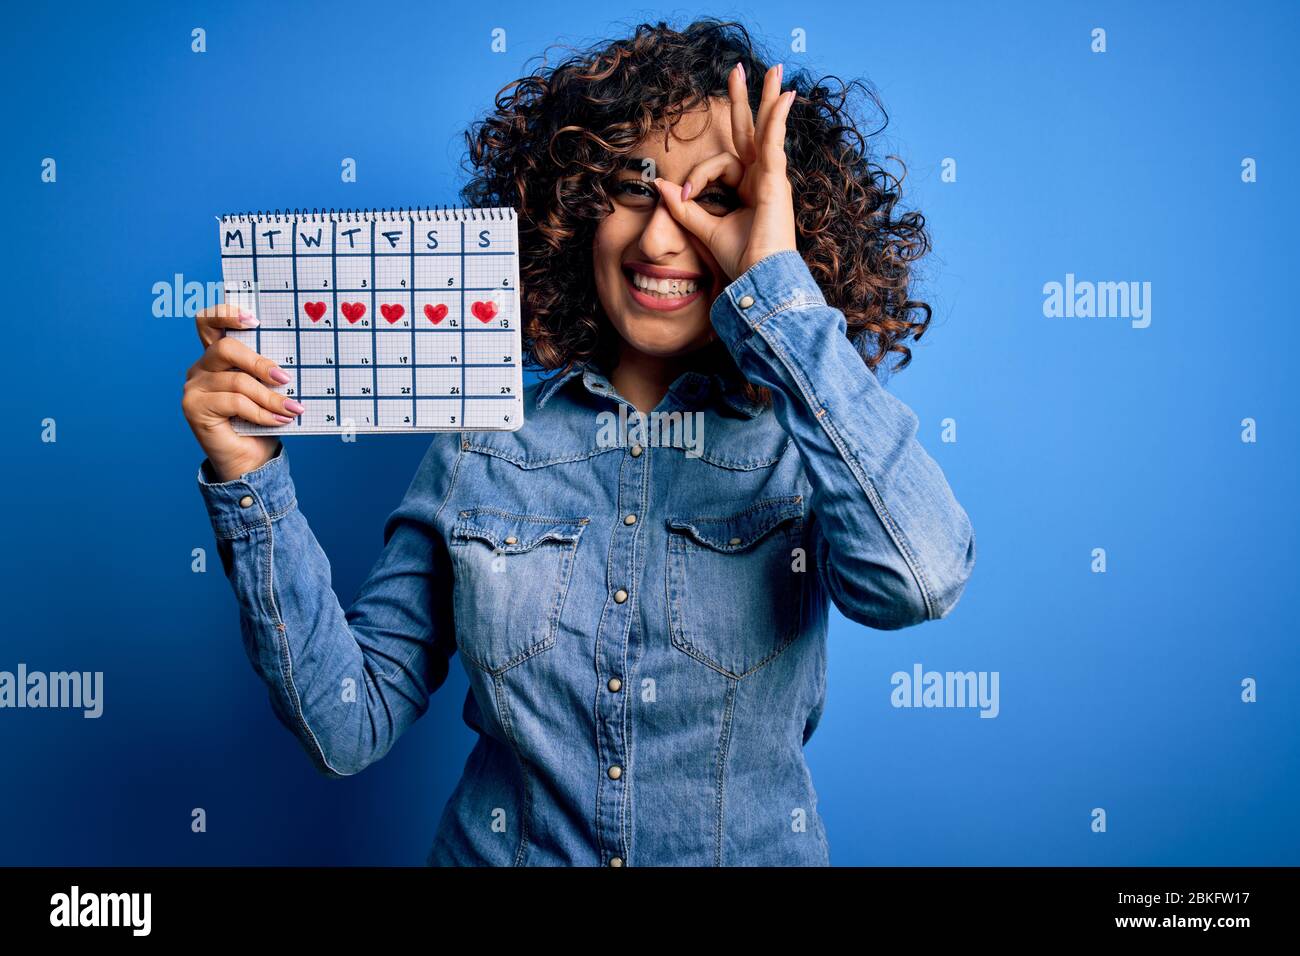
(612, 731)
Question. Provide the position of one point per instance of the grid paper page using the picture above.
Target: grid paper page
(386, 321)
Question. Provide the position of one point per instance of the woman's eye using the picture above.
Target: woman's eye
(716, 197)
(635, 188)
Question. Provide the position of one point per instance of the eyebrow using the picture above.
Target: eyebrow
(636, 163)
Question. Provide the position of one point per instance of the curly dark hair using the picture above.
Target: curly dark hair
(556, 137)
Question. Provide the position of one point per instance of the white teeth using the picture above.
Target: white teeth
(664, 287)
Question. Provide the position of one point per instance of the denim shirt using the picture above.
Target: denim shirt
(642, 621)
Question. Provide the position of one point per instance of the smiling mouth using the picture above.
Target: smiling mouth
(663, 294)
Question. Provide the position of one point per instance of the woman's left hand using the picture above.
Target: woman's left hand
(764, 223)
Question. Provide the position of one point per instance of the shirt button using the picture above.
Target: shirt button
(734, 541)
(630, 519)
(615, 861)
(512, 540)
(746, 301)
(620, 596)
(615, 684)
(636, 451)
(246, 501)
(615, 772)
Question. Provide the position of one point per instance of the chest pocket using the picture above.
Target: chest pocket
(512, 574)
(734, 594)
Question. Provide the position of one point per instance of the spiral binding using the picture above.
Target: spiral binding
(392, 214)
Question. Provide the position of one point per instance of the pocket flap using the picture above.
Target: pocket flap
(739, 531)
(514, 534)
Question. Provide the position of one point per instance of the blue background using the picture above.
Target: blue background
(1118, 690)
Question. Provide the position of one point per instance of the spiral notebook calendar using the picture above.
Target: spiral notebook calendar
(386, 320)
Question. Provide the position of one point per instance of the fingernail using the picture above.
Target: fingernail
(295, 407)
(244, 313)
(282, 419)
(686, 192)
(280, 375)
(740, 68)
(780, 72)
(248, 321)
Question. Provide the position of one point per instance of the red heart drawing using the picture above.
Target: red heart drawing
(314, 310)
(392, 312)
(352, 311)
(436, 313)
(484, 311)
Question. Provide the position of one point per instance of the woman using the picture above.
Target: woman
(643, 621)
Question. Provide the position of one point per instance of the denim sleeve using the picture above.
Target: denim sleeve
(346, 683)
(892, 545)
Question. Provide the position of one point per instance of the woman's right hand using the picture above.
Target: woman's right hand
(230, 379)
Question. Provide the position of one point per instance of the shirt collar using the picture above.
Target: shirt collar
(690, 389)
(551, 385)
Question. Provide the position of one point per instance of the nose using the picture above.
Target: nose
(663, 236)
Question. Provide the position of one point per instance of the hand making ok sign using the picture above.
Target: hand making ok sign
(764, 223)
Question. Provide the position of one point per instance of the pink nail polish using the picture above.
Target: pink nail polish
(686, 192)
(780, 72)
(280, 375)
(282, 419)
(248, 321)
(295, 407)
(740, 68)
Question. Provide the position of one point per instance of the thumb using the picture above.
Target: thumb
(698, 222)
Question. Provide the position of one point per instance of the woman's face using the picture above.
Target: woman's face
(655, 280)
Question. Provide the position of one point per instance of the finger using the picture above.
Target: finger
(698, 222)
(725, 166)
(222, 310)
(236, 405)
(771, 150)
(245, 384)
(227, 353)
(212, 322)
(742, 117)
(771, 90)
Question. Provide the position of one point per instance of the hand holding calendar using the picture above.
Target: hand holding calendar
(359, 321)
(231, 379)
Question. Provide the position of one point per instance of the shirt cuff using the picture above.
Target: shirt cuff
(255, 498)
(772, 284)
